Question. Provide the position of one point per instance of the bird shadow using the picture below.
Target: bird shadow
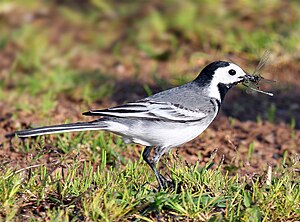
(284, 106)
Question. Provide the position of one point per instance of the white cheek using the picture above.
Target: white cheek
(214, 92)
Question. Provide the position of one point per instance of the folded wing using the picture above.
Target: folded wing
(151, 110)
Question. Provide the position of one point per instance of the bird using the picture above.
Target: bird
(164, 120)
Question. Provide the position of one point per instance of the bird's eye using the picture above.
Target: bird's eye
(232, 72)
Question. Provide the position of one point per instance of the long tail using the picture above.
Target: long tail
(80, 126)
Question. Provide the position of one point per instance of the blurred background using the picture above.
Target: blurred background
(60, 58)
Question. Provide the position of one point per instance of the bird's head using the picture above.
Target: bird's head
(218, 77)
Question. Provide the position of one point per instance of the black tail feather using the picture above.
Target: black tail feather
(71, 127)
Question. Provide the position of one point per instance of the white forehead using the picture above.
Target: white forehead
(222, 74)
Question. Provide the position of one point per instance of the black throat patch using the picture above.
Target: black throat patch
(223, 89)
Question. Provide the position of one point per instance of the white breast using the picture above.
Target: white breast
(176, 136)
(159, 133)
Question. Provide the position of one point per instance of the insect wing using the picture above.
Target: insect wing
(262, 63)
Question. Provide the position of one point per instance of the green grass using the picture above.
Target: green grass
(86, 184)
(271, 113)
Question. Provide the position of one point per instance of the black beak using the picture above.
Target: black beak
(249, 77)
(246, 78)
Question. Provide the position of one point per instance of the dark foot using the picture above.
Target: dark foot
(164, 184)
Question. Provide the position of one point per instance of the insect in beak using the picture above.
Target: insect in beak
(249, 77)
(254, 80)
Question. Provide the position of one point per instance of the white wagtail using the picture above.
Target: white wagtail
(166, 119)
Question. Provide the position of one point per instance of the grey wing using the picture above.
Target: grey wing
(189, 96)
(179, 104)
(149, 109)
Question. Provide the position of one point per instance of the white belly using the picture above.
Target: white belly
(165, 134)
(177, 136)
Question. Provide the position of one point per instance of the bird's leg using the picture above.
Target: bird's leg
(160, 179)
